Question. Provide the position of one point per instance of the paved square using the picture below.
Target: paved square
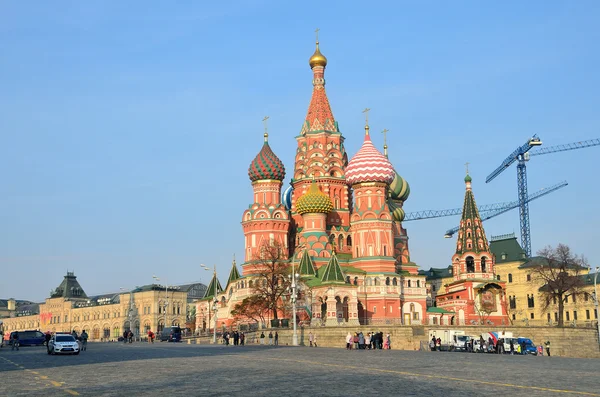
(116, 369)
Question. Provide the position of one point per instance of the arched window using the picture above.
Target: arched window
(470, 264)
(340, 242)
(409, 284)
(349, 241)
(331, 238)
(355, 280)
(369, 282)
(394, 281)
(387, 281)
(510, 277)
(348, 279)
(483, 265)
(377, 281)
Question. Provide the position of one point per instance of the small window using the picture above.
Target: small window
(587, 314)
(514, 317)
(532, 316)
(510, 277)
(529, 277)
(556, 316)
(503, 256)
(433, 287)
(567, 315)
(574, 314)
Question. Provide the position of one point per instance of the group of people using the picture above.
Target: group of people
(127, 336)
(273, 339)
(239, 338)
(373, 340)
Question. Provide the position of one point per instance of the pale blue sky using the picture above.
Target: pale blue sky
(127, 127)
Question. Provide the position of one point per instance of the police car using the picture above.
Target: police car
(63, 344)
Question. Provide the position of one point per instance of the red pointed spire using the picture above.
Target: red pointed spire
(319, 116)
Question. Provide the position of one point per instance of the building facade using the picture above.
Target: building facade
(107, 316)
(339, 222)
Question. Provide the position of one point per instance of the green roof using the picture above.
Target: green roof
(507, 247)
(538, 261)
(438, 310)
(233, 274)
(470, 215)
(307, 266)
(351, 269)
(434, 273)
(333, 272)
(214, 285)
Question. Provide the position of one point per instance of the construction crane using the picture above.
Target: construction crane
(428, 214)
(521, 154)
(512, 205)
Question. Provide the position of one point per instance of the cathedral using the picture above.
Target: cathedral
(338, 225)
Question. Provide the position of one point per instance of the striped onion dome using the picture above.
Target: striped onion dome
(314, 201)
(396, 210)
(266, 165)
(399, 188)
(369, 165)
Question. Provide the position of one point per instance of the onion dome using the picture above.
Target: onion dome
(317, 59)
(369, 165)
(286, 197)
(314, 201)
(468, 178)
(399, 188)
(396, 210)
(266, 165)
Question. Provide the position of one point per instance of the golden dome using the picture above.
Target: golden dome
(317, 59)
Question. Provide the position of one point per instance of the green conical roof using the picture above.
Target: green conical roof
(333, 272)
(307, 266)
(233, 274)
(471, 236)
(214, 286)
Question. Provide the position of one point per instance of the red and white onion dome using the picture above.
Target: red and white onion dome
(369, 165)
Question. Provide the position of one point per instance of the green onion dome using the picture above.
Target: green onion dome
(399, 188)
(314, 201)
(266, 165)
(397, 212)
(468, 178)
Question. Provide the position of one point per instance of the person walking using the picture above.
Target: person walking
(355, 340)
(150, 337)
(1, 334)
(125, 333)
(388, 341)
(276, 339)
(349, 341)
(361, 340)
(262, 338)
(47, 337)
(512, 347)
(547, 348)
(310, 339)
(270, 338)
(130, 336)
(15, 341)
(242, 338)
(84, 338)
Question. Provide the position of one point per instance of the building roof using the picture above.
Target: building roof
(234, 275)
(333, 272)
(506, 249)
(538, 261)
(69, 288)
(307, 266)
(438, 310)
(435, 273)
(314, 201)
(369, 165)
(471, 235)
(319, 116)
(214, 286)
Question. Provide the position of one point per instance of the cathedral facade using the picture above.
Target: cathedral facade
(338, 225)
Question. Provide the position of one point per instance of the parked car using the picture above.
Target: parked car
(171, 334)
(63, 344)
(530, 348)
(28, 338)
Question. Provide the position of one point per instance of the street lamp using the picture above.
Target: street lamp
(596, 301)
(215, 301)
(294, 277)
(166, 304)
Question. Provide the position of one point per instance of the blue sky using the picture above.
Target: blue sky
(127, 127)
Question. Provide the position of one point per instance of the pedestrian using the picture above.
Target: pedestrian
(47, 337)
(432, 343)
(349, 341)
(547, 348)
(270, 338)
(310, 339)
(439, 344)
(130, 336)
(368, 341)
(1, 333)
(262, 338)
(242, 339)
(74, 334)
(315, 339)
(236, 338)
(361, 340)
(84, 338)
(150, 336)
(276, 339)
(15, 341)
(355, 340)
(388, 341)
(512, 347)
(125, 333)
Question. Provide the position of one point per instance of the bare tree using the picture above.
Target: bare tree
(270, 275)
(482, 308)
(558, 269)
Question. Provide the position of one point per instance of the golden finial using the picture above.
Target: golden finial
(384, 132)
(233, 260)
(317, 59)
(366, 112)
(266, 135)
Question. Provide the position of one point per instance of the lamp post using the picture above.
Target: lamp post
(166, 304)
(215, 301)
(596, 301)
(294, 278)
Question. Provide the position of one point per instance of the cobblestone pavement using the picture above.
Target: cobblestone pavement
(166, 369)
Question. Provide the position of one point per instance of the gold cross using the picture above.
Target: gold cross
(384, 132)
(265, 122)
(366, 112)
(317, 32)
(467, 166)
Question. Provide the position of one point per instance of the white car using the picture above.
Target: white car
(63, 344)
